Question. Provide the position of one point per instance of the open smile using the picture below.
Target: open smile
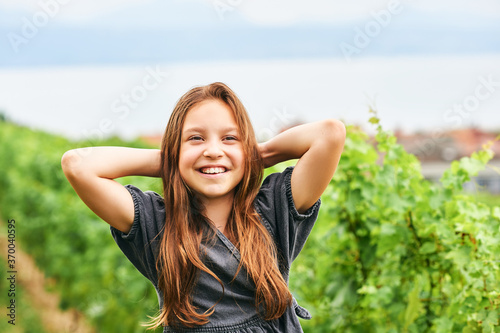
(213, 172)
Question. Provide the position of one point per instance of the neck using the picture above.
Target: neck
(218, 211)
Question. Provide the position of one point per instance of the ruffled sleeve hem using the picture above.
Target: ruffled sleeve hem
(135, 224)
(291, 204)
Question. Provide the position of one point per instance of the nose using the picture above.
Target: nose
(213, 150)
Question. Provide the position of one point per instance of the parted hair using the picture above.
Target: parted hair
(179, 258)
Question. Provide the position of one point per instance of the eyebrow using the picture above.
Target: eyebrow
(202, 129)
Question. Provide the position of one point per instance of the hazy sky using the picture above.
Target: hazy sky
(263, 12)
(63, 63)
(64, 32)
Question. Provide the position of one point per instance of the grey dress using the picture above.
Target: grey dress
(235, 311)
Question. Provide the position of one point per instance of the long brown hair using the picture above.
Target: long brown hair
(179, 255)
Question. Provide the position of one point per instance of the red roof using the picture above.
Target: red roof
(448, 145)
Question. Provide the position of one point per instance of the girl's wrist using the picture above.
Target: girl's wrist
(264, 154)
(268, 156)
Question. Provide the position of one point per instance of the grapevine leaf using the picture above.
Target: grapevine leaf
(496, 212)
(428, 247)
(490, 321)
(414, 305)
(471, 165)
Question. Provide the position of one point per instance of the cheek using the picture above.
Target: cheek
(239, 159)
(187, 157)
(185, 163)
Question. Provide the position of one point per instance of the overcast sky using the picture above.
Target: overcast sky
(420, 58)
(266, 12)
(141, 32)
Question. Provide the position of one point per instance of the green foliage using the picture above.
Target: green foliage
(392, 252)
(69, 243)
(491, 200)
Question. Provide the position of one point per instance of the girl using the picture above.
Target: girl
(218, 246)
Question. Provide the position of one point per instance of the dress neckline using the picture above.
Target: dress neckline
(228, 244)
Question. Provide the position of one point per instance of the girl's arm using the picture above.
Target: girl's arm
(318, 147)
(91, 172)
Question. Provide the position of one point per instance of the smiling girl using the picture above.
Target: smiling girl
(219, 244)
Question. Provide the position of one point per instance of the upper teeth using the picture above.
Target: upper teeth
(213, 170)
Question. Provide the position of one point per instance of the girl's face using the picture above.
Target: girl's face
(211, 153)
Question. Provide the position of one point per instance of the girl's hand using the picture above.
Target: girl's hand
(318, 147)
(265, 155)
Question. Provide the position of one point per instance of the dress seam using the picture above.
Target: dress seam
(252, 322)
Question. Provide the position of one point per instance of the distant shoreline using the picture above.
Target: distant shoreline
(409, 93)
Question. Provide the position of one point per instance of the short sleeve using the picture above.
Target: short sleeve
(275, 205)
(140, 244)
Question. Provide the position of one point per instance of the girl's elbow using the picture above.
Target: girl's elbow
(334, 131)
(70, 162)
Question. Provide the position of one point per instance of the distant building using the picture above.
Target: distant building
(436, 151)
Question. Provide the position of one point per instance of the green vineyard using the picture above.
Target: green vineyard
(390, 252)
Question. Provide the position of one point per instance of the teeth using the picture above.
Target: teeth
(213, 170)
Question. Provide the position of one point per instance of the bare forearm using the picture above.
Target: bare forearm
(296, 141)
(112, 162)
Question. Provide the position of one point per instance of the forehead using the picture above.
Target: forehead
(211, 114)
